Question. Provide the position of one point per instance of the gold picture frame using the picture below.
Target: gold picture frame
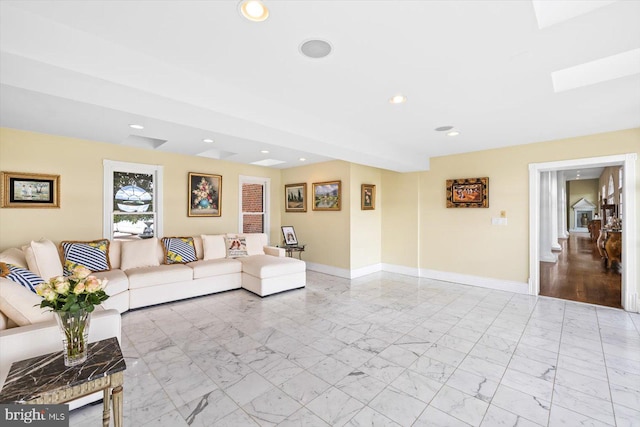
(468, 193)
(295, 197)
(327, 196)
(205, 195)
(368, 197)
(30, 190)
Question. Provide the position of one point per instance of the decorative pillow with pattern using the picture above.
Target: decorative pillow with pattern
(93, 255)
(20, 275)
(236, 247)
(179, 250)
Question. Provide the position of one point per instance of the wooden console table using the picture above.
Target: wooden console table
(612, 247)
(46, 380)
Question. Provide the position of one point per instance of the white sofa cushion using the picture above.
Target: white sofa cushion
(43, 258)
(255, 243)
(213, 245)
(13, 256)
(265, 266)
(115, 247)
(215, 267)
(117, 281)
(21, 305)
(139, 253)
(159, 275)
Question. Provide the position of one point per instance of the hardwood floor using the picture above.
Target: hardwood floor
(580, 274)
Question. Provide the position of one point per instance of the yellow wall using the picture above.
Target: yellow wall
(400, 219)
(581, 189)
(463, 241)
(79, 164)
(366, 225)
(326, 234)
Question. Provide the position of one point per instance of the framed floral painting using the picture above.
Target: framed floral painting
(205, 194)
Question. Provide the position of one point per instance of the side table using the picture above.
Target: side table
(46, 380)
(290, 249)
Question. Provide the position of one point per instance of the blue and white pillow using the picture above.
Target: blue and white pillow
(92, 255)
(20, 275)
(179, 250)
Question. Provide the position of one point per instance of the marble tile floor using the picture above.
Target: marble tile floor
(381, 350)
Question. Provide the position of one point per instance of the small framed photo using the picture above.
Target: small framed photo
(327, 196)
(368, 198)
(295, 197)
(468, 193)
(205, 194)
(30, 190)
(289, 235)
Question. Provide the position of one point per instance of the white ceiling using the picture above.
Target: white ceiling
(189, 70)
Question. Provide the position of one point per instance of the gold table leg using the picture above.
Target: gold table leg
(117, 406)
(106, 407)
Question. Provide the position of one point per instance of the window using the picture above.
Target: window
(254, 205)
(132, 200)
(610, 193)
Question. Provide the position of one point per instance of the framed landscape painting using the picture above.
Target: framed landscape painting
(295, 197)
(30, 190)
(468, 193)
(205, 193)
(327, 196)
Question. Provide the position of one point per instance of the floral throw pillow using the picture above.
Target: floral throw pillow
(93, 255)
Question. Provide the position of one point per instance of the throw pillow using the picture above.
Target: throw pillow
(43, 258)
(20, 275)
(139, 253)
(255, 245)
(179, 250)
(21, 305)
(214, 246)
(236, 247)
(13, 256)
(92, 255)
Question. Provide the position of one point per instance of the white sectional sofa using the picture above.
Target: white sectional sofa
(137, 277)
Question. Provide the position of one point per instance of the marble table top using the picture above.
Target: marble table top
(30, 378)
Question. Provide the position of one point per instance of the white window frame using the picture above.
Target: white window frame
(111, 166)
(266, 203)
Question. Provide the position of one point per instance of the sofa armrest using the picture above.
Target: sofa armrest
(274, 251)
(29, 341)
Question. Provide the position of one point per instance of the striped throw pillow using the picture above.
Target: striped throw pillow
(179, 250)
(20, 275)
(93, 255)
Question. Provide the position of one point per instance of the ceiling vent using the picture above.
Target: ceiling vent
(216, 154)
(268, 162)
(143, 141)
(315, 48)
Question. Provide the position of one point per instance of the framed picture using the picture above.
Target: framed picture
(30, 190)
(289, 235)
(295, 197)
(368, 197)
(468, 193)
(205, 194)
(327, 196)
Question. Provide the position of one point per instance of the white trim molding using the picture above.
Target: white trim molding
(629, 300)
(329, 269)
(401, 269)
(483, 282)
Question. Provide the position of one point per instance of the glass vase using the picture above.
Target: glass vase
(75, 335)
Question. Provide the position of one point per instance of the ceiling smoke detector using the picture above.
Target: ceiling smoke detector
(315, 48)
(443, 128)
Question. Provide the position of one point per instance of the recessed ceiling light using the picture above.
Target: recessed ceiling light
(254, 10)
(208, 140)
(264, 151)
(443, 128)
(136, 126)
(302, 159)
(398, 99)
(453, 133)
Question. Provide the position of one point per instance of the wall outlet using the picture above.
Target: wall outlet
(498, 221)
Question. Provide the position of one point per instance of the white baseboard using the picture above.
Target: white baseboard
(328, 269)
(483, 282)
(401, 269)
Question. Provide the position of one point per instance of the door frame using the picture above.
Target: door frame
(629, 290)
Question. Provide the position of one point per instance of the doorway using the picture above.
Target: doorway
(628, 296)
